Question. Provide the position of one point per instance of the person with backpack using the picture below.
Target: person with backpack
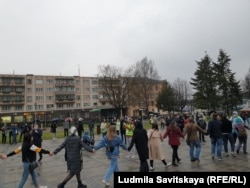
(241, 134)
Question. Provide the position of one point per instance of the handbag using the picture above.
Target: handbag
(32, 165)
(109, 148)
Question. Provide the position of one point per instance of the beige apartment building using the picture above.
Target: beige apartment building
(24, 98)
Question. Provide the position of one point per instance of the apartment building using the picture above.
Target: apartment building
(24, 98)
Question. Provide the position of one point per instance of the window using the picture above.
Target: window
(49, 81)
(86, 97)
(59, 105)
(70, 105)
(19, 107)
(49, 89)
(5, 108)
(78, 97)
(85, 82)
(29, 81)
(39, 98)
(29, 107)
(29, 89)
(39, 89)
(86, 104)
(29, 98)
(94, 96)
(39, 81)
(39, 107)
(86, 89)
(94, 89)
(77, 82)
(94, 82)
(49, 98)
(78, 105)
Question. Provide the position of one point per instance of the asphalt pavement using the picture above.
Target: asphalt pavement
(52, 169)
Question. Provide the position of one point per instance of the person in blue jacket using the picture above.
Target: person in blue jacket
(112, 142)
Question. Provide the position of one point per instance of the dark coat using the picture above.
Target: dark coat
(37, 137)
(73, 146)
(140, 139)
(215, 129)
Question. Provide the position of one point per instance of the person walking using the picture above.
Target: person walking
(191, 130)
(37, 139)
(28, 150)
(174, 133)
(91, 129)
(227, 135)
(154, 144)
(104, 127)
(4, 132)
(14, 131)
(140, 140)
(215, 132)
(203, 125)
(66, 125)
(73, 145)
(112, 142)
(53, 128)
(80, 127)
(129, 134)
(242, 135)
(123, 130)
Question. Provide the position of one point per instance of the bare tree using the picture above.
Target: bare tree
(182, 91)
(113, 86)
(145, 78)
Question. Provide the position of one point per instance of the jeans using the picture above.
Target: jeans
(216, 144)
(25, 175)
(194, 150)
(113, 167)
(228, 137)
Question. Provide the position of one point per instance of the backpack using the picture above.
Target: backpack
(241, 131)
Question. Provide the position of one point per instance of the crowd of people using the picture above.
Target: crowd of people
(130, 134)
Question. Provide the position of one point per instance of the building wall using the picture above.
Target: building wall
(46, 97)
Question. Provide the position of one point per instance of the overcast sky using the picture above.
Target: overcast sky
(65, 37)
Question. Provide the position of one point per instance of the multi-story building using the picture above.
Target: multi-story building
(26, 98)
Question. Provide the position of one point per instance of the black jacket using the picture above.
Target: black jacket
(140, 139)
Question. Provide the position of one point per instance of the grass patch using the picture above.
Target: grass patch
(47, 135)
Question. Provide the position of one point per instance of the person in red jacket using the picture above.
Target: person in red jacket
(174, 133)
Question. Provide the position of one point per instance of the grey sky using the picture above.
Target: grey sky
(53, 37)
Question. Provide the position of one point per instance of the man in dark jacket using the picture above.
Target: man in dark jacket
(227, 135)
(73, 146)
(80, 127)
(140, 139)
(215, 132)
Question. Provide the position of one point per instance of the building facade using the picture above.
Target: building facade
(26, 98)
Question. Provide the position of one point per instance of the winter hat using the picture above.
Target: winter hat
(73, 131)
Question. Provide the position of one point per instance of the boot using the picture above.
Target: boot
(81, 185)
(61, 185)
